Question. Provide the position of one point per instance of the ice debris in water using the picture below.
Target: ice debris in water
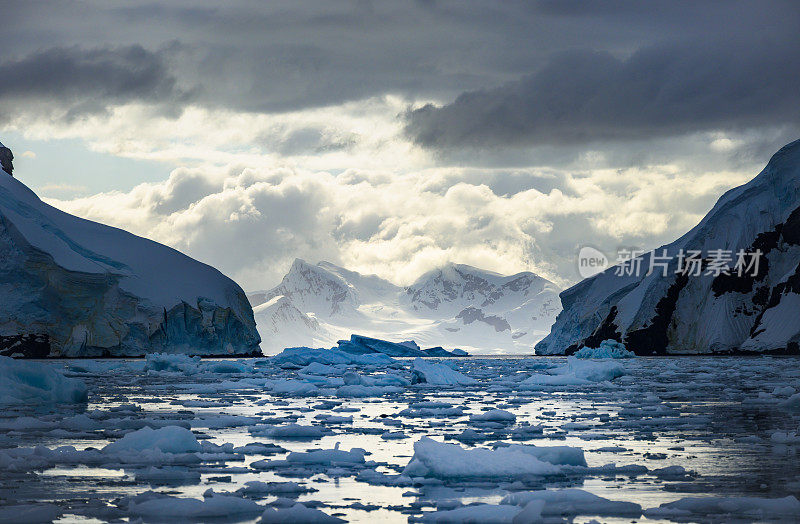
(297, 514)
(607, 349)
(752, 507)
(577, 372)
(300, 357)
(441, 460)
(160, 507)
(37, 383)
(433, 373)
(170, 439)
(572, 502)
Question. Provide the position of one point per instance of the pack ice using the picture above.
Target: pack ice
(76, 288)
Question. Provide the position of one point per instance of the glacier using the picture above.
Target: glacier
(680, 313)
(75, 288)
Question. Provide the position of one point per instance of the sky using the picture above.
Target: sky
(394, 137)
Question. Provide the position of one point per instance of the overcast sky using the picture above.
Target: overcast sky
(392, 137)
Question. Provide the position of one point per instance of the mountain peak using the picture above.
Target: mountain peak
(678, 312)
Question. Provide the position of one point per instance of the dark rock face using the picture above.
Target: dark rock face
(473, 314)
(6, 160)
(745, 311)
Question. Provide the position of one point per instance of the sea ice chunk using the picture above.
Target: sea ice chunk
(169, 439)
(754, 507)
(494, 415)
(424, 372)
(163, 507)
(37, 383)
(483, 513)
(608, 349)
(441, 460)
(571, 502)
(577, 372)
(296, 514)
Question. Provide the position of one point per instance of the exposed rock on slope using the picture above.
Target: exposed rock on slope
(75, 288)
(6, 159)
(683, 313)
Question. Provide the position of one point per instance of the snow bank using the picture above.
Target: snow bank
(608, 349)
(424, 372)
(441, 460)
(37, 383)
(577, 372)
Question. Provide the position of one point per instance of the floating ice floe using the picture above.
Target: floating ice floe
(300, 357)
(437, 374)
(572, 502)
(170, 439)
(328, 456)
(256, 487)
(607, 349)
(451, 461)
(290, 431)
(162, 507)
(577, 372)
(29, 513)
(494, 415)
(483, 513)
(739, 507)
(37, 383)
(297, 514)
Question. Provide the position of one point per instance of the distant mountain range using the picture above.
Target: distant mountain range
(455, 306)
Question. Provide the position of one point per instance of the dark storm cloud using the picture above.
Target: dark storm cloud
(283, 56)
(661, 90)
(86, 80)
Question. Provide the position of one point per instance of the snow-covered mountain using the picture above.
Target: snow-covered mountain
(456, 306)
(72, 287)
(682, 313)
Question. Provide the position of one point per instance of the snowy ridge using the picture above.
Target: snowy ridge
(656, 314)
(72, 287)
(456, 306)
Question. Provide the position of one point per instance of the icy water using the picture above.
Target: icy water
(730, 423)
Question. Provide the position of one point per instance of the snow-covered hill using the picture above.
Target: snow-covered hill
(757, 311)
(456, 306)
(72, 287)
